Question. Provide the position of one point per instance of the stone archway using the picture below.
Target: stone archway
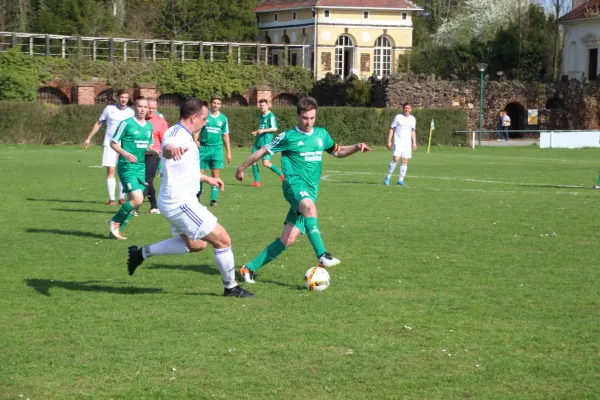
(518, 119)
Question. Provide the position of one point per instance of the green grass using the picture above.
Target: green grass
(479, 280)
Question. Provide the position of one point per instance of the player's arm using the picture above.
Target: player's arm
(117, 147)
(95, 129)
(390, 136)
(413, 136)
(254, 157)
(227, 147)
(212, 181)
(173, 152)
(345, 151)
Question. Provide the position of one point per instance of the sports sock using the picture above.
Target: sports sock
(314, 235)
(255, 173)
(200, 192)
(214, 193)
(111, 184)
(123, 213)
(391, 169)
(121, 194)
(403, 168)
(124, 223)
(274, 168)
(599, 179)
(226, 265)
(268, 254)
(171, 246)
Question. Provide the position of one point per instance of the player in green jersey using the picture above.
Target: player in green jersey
(131, 141)
(267, 124)
(213, 136)
(301, 151)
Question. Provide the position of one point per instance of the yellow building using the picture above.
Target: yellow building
(361, 37)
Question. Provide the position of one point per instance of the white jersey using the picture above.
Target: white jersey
(180, 180)
(113, 115)
(403, 127)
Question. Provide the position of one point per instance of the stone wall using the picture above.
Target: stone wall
(561, 105)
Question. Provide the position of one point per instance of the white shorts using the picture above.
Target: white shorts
(110, 157)
(190, 218)
(401, 151)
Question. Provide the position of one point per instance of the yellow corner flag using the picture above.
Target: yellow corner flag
(430, 133)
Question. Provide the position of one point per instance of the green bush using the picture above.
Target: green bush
(48, 124)
(19, 76)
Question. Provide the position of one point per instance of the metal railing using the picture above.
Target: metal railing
(127, 49)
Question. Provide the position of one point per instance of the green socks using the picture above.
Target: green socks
(214, 193)
(123, 215)
(255, 173)
(314, 235)
(598, 179)
(276, 170)
(270, 253)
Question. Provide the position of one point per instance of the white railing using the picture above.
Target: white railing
(126, 49)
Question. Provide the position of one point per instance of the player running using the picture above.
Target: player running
(132, 139)
(191, 223)
(113, 115)
(267, 124)
(301, 150)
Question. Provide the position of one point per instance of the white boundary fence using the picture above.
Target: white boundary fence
(127, 49)
(564, 139)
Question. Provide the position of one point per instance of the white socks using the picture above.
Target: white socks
(121, 195)
(403, 168)
(226, 265)
(111, 184)
(391, 169)
(174, 245)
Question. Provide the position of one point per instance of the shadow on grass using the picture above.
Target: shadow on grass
(205, 269)
(287, 285)
(66, 201)
(43, 286)
(82, 210)
(67, 233)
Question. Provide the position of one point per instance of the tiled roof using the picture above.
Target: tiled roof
(583, 11)
(269, 5)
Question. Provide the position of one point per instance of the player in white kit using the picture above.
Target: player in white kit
(113, 115)
(402, 130)
(192, 225)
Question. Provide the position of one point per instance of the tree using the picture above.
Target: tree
(75, 17)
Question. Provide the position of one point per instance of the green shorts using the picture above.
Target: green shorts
(294, 193)
(267, 156)
(211, 157)
(132, 180)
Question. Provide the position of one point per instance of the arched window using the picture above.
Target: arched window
(50, 95)
(344, 56)
(383, 56)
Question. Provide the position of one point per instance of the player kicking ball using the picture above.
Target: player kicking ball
(131, 140)
(301, 151)
(192, 225)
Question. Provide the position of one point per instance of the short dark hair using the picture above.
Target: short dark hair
(122, 91)
(260, 101)
(140, 98)
(216, 97)
(405, 104)
(306, 104)
(191, 106)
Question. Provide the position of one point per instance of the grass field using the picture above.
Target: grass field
(480, 280)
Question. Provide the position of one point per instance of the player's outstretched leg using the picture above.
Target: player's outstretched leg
(316, 240)
(268, 254)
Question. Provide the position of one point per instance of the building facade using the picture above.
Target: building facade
(580, 58)
(344, 37)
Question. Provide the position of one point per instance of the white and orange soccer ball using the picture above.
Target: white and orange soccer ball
(316, 278)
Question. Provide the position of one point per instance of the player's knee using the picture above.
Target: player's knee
(222, 240)
(196, 246)
(266, 164)
(288, 241)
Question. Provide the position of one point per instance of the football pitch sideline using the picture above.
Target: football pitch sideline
(481, 280)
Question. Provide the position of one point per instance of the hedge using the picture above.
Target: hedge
(22, 122)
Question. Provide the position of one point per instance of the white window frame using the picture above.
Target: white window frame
(339, 53)
(382, 56)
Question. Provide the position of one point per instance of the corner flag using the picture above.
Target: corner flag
(430, 133)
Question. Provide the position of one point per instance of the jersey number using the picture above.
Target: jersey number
(303, 193)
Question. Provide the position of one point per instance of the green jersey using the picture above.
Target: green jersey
(135, 139)
(301, 155)
(212, 133)
(265, 122)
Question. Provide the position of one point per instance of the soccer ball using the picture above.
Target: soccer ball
(316, 278)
